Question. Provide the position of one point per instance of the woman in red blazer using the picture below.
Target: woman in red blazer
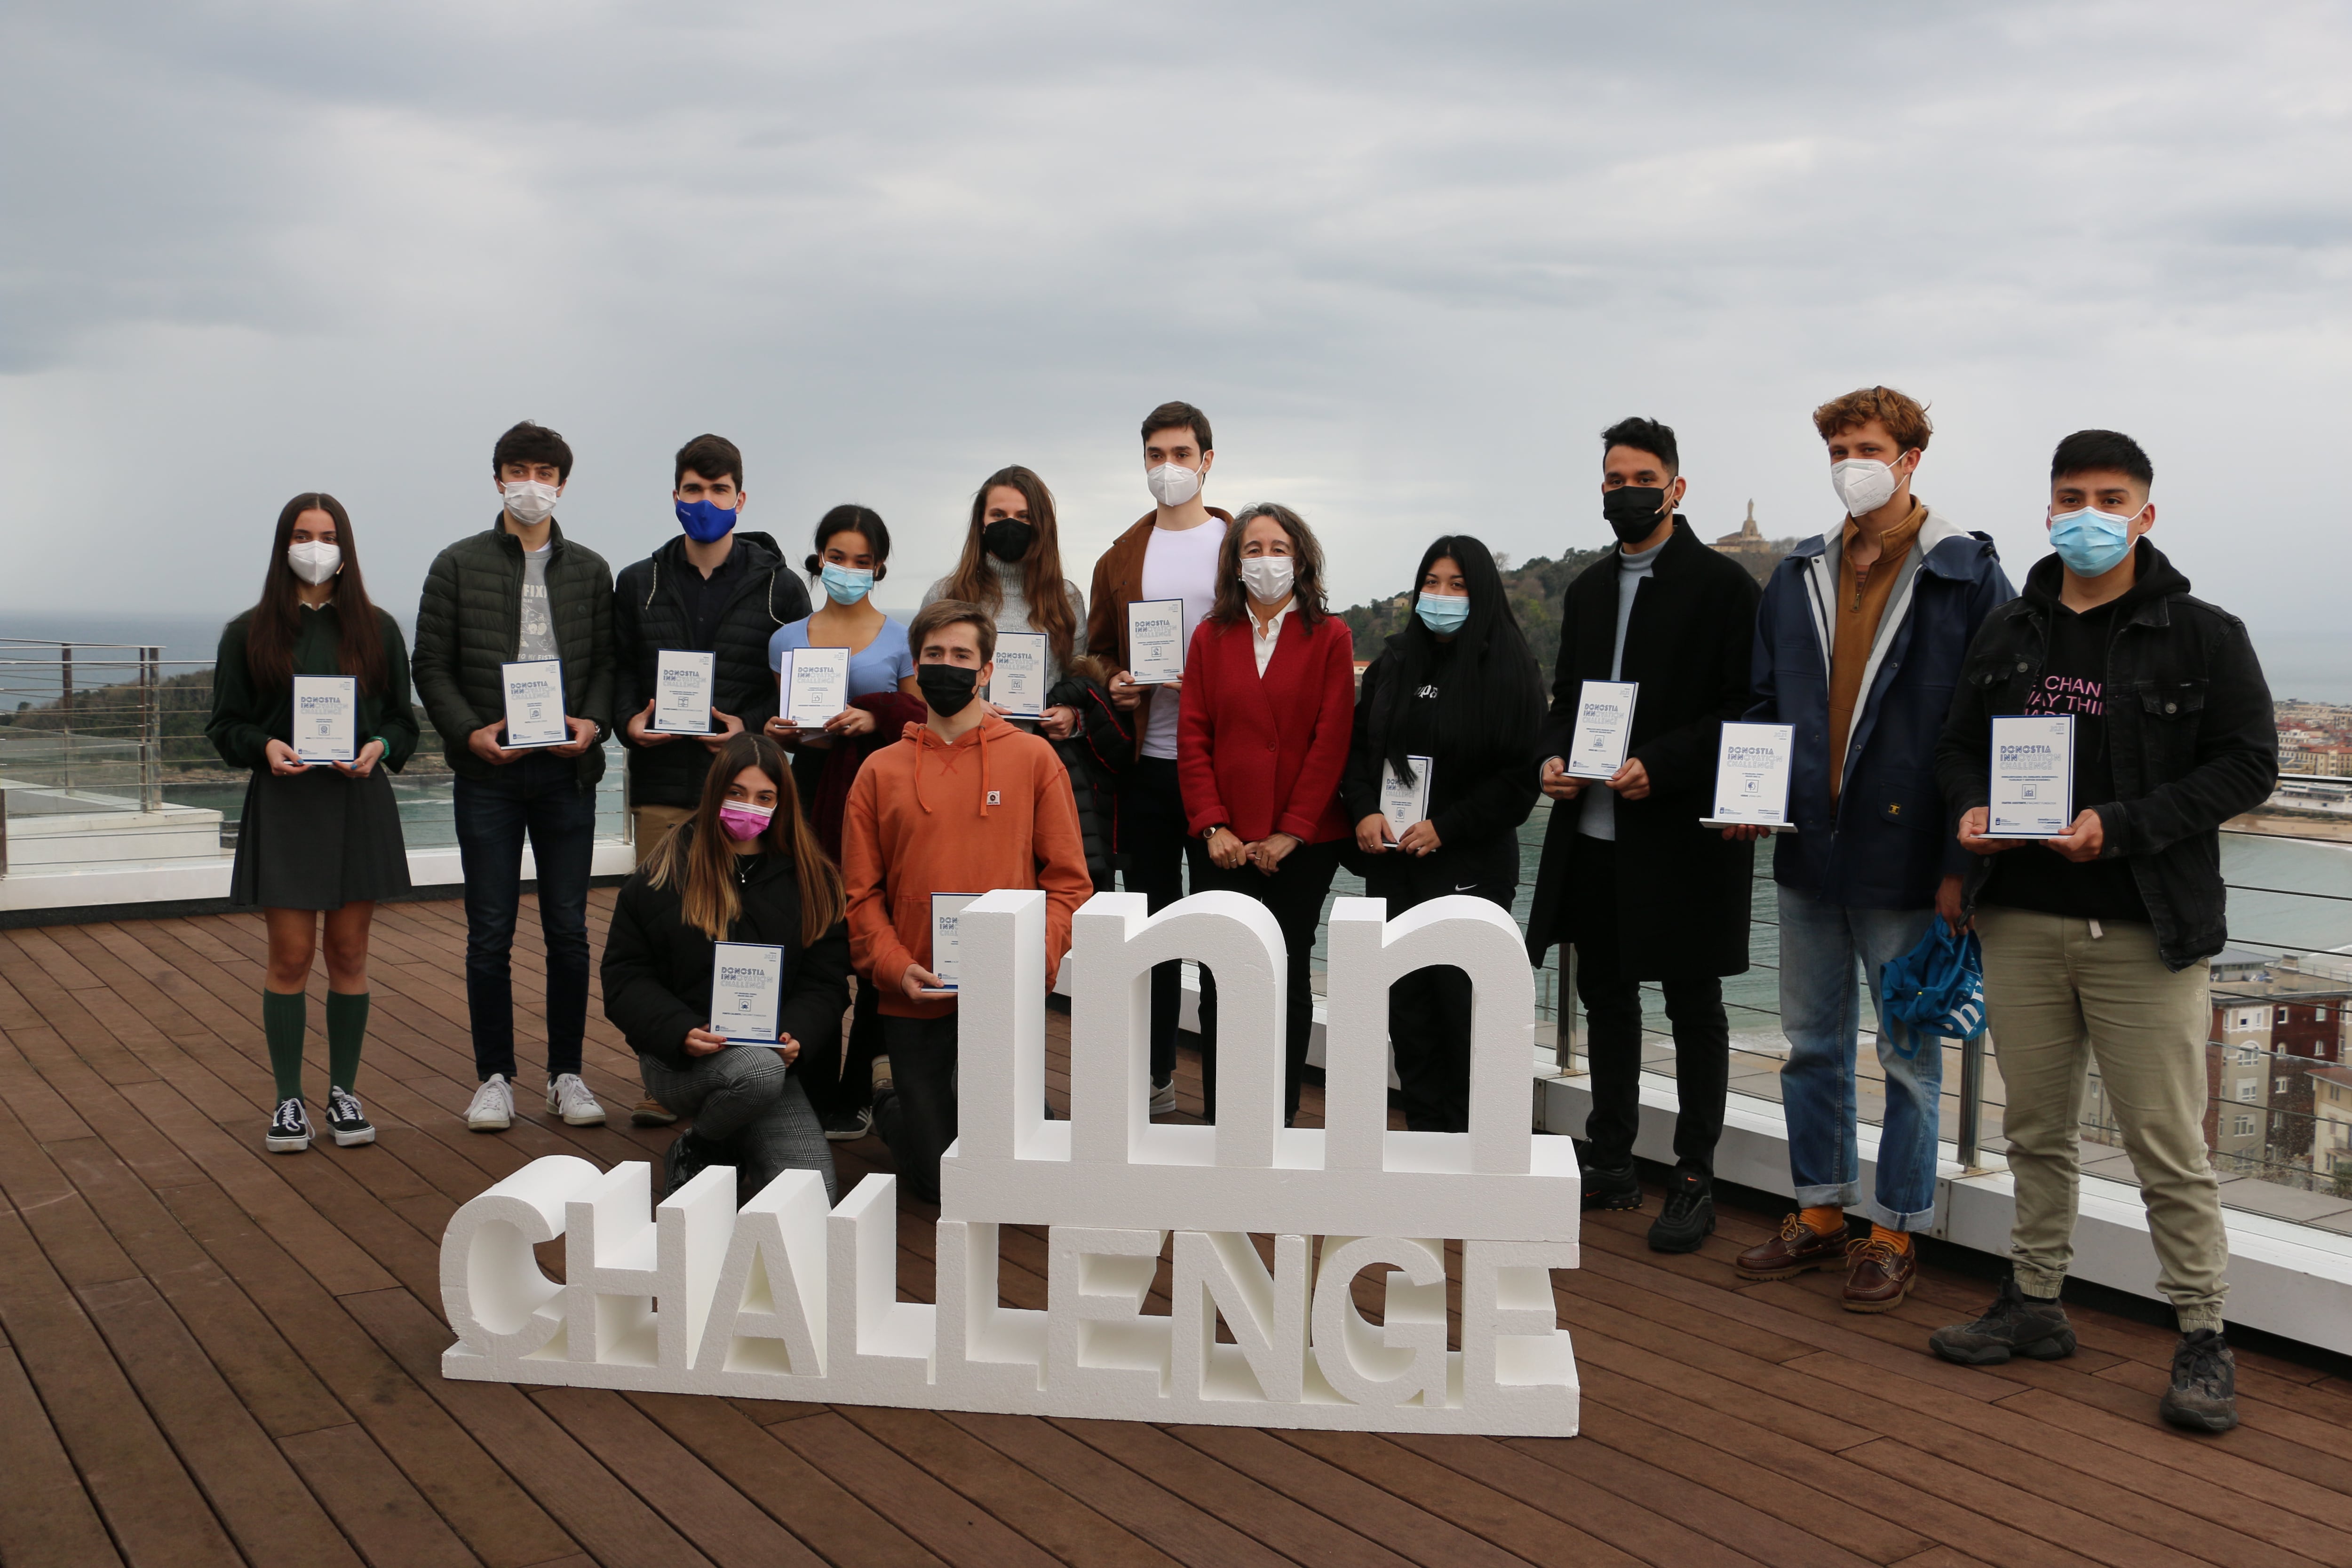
(1265, 716)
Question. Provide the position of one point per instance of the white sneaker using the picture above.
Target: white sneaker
(1163, 1098)
(493, 1107)
(569, 1098)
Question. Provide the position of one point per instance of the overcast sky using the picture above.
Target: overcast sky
(1410, 259)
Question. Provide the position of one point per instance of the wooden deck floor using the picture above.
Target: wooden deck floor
(214, 1355)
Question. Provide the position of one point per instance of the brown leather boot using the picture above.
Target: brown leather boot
(1798, 1247)
(1878, 1275)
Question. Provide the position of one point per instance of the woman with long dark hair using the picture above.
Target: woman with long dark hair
(851, 559)
(1449, 711)
(744, 867)
(1262, 728)
(316, 838)
(1012, 567)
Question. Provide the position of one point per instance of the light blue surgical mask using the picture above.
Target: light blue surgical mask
(2090, 542)
(1443, 613)
(843, 585)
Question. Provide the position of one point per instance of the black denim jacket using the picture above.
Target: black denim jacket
(2189, 733)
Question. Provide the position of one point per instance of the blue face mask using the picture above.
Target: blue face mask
(1443, 613)
(704, 523)
(2090, 542)
(844, 586)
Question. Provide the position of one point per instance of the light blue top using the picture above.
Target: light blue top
(879, 666)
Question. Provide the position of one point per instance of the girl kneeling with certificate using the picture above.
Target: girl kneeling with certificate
(727, 964)
(311, 691)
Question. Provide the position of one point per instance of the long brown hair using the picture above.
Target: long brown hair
(1306, 567)
(701, 863)
(1040, 569)
(270, 629)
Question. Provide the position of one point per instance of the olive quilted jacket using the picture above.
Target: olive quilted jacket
(470, 621)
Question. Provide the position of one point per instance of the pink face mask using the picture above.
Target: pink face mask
(743, 822)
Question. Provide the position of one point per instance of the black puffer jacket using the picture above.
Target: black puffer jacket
(1095, 755)
(2191, 739)
(657, 968)
(649, 616)
(470, 621)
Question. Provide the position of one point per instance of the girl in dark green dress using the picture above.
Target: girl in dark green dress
(323, 837)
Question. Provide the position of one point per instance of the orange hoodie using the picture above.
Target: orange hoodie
(993, 809)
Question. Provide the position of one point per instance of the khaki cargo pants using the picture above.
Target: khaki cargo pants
(2058, 997)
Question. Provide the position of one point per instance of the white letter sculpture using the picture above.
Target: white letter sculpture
(787, 1299)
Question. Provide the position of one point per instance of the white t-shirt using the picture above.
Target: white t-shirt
(1178, 564)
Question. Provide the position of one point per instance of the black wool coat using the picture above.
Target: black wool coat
(656, 969)
(1681, 893)
(649, 615)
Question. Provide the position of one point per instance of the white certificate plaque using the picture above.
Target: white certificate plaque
(682, 681)
(1019, 685)
(946, 909)
(815, 685)
(1604, 728)
(326, 717)
(1155, 641)
(747, 990)
(535, 703)
(1751, 777)
(1403, 803)
(2032, 776)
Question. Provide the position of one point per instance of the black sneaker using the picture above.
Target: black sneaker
(687, 1158)
(346, 1120)
(2015, 1324)
(2204, 1393)
(289, 1130)
(1607, 1189)
(849, 1125)
(1688, 1218)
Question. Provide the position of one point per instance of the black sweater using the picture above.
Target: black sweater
(657, 968)
(1478, 795)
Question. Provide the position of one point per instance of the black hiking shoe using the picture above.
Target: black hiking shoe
(688, 1157)
(289, 1130)
(1688, 1218)
(2204, 1393)
(346, 1120)
(1607, 1189)
(848, 1123)
(2015, 1324)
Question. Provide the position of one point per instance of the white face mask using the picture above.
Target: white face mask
(1171, 485)
(1864, 484)
(529, 502)
(314, 562)
(1267, 577)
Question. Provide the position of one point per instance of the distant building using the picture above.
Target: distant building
(2331, 1153)
(1752, 549)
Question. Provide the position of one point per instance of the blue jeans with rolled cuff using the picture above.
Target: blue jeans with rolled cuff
(1821, 1012)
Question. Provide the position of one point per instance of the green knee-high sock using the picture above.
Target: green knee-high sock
(284, 1015)
(346, 1028)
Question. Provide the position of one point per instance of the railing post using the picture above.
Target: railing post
(150, 730)
(1569, 1033)
(64, 710)
(1971, 1135)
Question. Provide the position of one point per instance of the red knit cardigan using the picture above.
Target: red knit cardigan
(1263, 754)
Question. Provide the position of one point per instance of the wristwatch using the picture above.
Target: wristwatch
(1209, 833)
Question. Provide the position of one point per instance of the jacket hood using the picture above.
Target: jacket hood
(2153, 578)
(763, 553)
(949, 756)
(1949, 547)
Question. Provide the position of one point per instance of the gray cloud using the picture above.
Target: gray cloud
(1409, 257)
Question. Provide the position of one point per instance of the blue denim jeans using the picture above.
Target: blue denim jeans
(1821, 1012)
(539, 797)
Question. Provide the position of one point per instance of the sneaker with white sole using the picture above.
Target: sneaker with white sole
(569, 1098)
(1163, 1096)
(289, 1130)
(346, 1120)
(493, 1107)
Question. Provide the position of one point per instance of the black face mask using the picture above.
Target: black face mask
(1634, 511)
(1007, 539)
(947, 688)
